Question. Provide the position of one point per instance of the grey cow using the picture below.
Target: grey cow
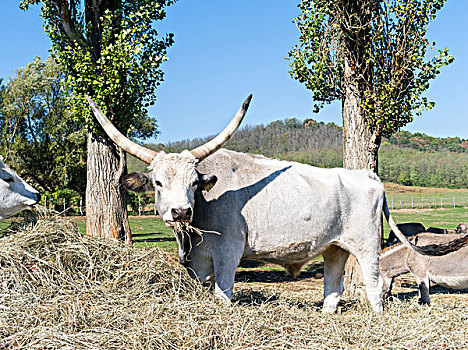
(283, 212)
(450, 270)
(15, 194)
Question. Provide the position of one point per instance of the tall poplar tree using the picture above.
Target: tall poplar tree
(109, 50)
(373, 56)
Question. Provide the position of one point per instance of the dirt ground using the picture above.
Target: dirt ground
(310, 281)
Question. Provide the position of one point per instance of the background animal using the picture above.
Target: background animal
(462, 228)
(440, 231)
(412, 228)
(15, 194)
(450, 270)
(408, 229)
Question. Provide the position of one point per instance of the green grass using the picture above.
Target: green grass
(147, 231)
(424, 197)
(444, 218)
(151, 231)
(427, 200)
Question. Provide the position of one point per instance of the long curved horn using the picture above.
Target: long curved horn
(143, 153)
(215, 144)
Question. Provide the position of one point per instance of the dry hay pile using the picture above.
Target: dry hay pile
(59, 290)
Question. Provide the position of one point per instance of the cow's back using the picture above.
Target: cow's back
(287, 209)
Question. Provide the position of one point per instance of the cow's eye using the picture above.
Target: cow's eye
(9, 180)
(158, 184)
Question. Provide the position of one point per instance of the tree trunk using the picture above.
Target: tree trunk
(106, 201)
(360, 151)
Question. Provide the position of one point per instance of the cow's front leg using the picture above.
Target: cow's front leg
(225, 273)
(334, 259)
(225, 265)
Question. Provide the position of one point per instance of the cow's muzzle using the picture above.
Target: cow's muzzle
(183, 214)
(38, 198)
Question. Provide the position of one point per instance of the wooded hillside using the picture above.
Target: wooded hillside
(406, 158)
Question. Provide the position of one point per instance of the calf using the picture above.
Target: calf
(450, 270)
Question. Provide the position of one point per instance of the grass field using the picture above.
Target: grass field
(412, 197)
(150, 231)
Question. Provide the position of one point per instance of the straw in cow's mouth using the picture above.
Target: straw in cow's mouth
(179, 227)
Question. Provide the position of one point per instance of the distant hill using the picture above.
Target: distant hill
(406, 158)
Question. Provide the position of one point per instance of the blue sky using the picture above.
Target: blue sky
(225, 50)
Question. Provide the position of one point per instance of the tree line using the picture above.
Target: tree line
(406, 158)
(39, 137)
(46, 144)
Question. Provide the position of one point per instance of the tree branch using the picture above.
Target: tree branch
(67, 16)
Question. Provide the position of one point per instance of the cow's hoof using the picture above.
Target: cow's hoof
(328, 310)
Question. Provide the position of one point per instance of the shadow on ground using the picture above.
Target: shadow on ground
(144, 237)
(433, 291)
(314, 270)
(254, 298)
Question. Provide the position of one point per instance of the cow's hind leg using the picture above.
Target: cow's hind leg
(334, 260)
(372, 280)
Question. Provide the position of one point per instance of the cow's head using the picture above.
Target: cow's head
(15, 194)
(173, 176)
(175, 181)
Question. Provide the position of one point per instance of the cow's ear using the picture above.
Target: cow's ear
(137, 182)
(207, 181)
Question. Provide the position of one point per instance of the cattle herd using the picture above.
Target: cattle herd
(251, 207)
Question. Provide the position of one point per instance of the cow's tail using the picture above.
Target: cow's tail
(431, 249)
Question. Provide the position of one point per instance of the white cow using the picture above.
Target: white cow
(15, 194)
(281, 212)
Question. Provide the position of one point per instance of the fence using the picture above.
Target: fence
(430, 201)
(144, 204)
(65, 206)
